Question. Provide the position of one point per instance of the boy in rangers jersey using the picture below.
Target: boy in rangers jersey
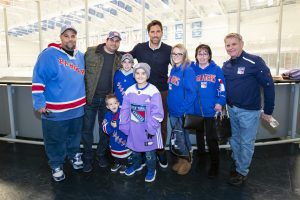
(117, 139)
(140, 118)
(123, 78)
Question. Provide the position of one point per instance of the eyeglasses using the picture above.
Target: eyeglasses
(202, 54)
(177, 54)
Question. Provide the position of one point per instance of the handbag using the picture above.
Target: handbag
(223, 127)
(192, 121)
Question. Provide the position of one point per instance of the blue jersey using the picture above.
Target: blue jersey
(210, 89)
(182, 91)
(122, 81)
(58, 84)
(117, 139)
(245, 76)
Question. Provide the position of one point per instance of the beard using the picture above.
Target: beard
(69, 46)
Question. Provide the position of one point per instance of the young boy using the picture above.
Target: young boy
(140, 118)
(123, 78)
(117, 139)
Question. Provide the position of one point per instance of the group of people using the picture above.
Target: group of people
(133, 102)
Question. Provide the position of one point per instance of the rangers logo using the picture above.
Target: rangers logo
(138, 113)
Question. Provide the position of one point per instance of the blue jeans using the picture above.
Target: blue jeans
(97, 106)
(137, 158)
(61, 138)
(244, 125)
(183, 141)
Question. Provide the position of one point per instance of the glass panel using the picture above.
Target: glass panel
(56, 13)
(3, 56)
(290, 42)
(122, 16)
(208, 22)
(23, 34)
(259, 28)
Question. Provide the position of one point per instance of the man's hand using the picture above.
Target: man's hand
(218, 108)
(266, 117)
(42, 110)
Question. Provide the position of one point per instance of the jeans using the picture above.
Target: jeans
(97, 106)
(61, 138)
(183, 141)
(209, 128)
(137, 158)
(244, 125)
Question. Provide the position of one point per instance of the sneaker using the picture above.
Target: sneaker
(237, 180)
(129, 171)
(87, 167)
(103, 162)
(141, 167)
(122, 169)
(76, 161)
(162, 159)
(58, 174)
(115, 167)
(150, 176)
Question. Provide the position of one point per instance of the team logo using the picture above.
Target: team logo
(241, 70)
(138, 113)
(203, 84)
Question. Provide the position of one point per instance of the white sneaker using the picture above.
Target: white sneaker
(76, 161)
(58, 174)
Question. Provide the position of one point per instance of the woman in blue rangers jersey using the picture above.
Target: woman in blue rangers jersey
(211, 96)
(180, 100)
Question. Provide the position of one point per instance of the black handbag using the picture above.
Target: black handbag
(223, 127)
(192, 121)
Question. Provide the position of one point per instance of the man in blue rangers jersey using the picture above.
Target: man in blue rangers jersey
(58, 93)
(245, 75)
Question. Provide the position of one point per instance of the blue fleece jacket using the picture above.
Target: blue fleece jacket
(122, 81)
(210, 88)
(182, 91)
(245, 76)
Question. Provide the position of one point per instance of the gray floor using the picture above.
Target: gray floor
(24, 174)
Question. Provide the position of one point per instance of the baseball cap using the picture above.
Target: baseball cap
(127, 56)
(113, 34)
(67, 27)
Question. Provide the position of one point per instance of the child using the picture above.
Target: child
(140, 118)
(123, 78)
(110, 125)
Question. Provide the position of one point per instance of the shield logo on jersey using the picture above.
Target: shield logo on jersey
(138, 113)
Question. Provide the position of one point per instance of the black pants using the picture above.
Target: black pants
(208, 127)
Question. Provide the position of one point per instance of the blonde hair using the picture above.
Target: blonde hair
(186, 61)
(234, 35)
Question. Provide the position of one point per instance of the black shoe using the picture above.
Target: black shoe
(237, 180)
(87, 167)
(213, 171)
(103, 162)
(115, 167)
(162, 159)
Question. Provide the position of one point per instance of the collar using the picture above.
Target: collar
(154, 48)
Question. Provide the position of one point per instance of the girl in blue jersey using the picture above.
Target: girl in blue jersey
(211, 97)
(123, 78)
(180, 100)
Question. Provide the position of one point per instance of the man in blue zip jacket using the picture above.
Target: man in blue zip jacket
(245, 75)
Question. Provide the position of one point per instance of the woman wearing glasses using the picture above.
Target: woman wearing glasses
(211, 96)
(180, 100)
